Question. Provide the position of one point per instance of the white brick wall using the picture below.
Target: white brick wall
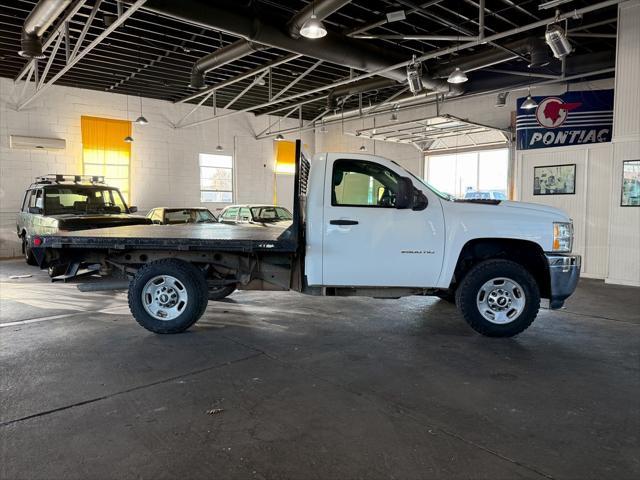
(164, 160)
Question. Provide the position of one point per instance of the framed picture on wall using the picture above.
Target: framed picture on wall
(554, 180)
(630, 183)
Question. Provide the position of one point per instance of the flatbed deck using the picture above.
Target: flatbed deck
(210, 237)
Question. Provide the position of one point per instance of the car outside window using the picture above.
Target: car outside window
(230, 213)
(283, 213)
(358, 183)
(245, 214)
(204, 216)
(172, 217)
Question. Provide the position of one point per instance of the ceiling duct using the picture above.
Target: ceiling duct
(533, 48)
(37, 23)
(222, 56)
(262, 28)
(321, 9)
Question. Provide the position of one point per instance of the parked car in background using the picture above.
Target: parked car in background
(260, 214)
(70, 202)
(485, 195)
(175, 216)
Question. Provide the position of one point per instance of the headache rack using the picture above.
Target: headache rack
(54, 178)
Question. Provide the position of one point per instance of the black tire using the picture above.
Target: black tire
(448, 296)
(56, 270)
(193, 281)
(467, 296)
(219, 293)
(28, 254)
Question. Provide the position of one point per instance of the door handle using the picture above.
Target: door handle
(343, 222)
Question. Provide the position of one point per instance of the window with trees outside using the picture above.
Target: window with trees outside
(470, 175)
(216, 178)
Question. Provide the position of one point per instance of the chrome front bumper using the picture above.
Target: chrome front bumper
(564, 273)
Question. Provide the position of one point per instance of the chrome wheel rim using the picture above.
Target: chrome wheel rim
(501, 300)
(164, 297)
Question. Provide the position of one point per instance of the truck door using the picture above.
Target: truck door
(369, 242)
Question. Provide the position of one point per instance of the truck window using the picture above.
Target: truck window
(359, 183)
(25, 200)
(36, 198)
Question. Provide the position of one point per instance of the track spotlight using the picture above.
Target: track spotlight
(557, 40)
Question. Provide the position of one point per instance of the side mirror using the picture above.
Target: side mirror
(36, 210)
(133, 209)
(404, 196)
(420, 200)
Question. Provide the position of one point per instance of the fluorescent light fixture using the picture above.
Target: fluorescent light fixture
(313, 28)
(396, 16)
(557, 40)
(457, 76)
(552, 4)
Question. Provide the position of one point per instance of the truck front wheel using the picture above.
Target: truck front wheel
(168, 296)
(498, 298)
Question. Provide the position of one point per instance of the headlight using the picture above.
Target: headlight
(562, 236)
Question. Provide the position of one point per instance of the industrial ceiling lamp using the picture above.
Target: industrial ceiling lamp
(279, 137)
(313, 28)
(128, 138)
(529, 103)
(363, 148)
(141, 120)
(557, 40)
(457, 76)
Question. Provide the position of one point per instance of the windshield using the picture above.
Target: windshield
(444, 196)
(78, 199)
(172, 217)
(270, 214)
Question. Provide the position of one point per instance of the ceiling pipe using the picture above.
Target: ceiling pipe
(321, 9)
(37, 23)
(258, 27)
(222, 56)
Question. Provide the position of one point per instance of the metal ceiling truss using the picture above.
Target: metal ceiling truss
(77, 53)
(422, 58)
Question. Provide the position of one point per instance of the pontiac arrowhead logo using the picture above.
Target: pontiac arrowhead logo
(552, 111)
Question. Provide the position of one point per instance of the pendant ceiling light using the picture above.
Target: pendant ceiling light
(313, 28)
(279, 137)
(128, 138)
(529, 103)
(219, 147)
(141, 120)
(363, 148)
(457, 76)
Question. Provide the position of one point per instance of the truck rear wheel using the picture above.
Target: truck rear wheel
(498, 298)
(26, 250)
(168, 296)
(218, 293)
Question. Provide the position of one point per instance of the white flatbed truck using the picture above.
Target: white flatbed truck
(362, 225)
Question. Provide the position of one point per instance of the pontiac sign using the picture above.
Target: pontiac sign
(574, 118)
